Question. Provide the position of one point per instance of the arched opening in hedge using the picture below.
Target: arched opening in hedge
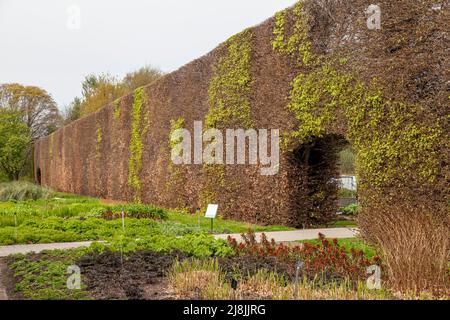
(39, 176)
(314, 168)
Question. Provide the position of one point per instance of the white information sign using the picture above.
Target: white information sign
(211, 213)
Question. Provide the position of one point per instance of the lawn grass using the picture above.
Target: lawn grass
(221, 226)
(355, 243)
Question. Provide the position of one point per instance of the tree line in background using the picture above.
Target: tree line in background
(28, 113)
(99, 90)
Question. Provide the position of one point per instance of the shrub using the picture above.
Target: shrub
(328, 260)
(136, 211)
(415, 242)
(21, 191)
(350, 210)
(3, 177)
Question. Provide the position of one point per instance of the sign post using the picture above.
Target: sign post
(198, 216)
(211, 213)
(298, 266)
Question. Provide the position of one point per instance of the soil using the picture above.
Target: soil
(141, 275)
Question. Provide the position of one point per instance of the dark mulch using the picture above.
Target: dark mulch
(136, 276)
(249, 265)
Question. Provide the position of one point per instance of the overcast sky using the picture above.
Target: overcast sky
(44, 43)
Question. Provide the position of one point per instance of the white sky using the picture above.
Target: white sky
(37, 47)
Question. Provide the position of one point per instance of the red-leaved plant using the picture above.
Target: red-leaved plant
(327, 260)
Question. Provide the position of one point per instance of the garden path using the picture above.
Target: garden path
(36, 248)
(279, 236)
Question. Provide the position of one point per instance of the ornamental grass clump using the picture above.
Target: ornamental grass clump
(199, 279)
(416, 245)
(206, 280)
(135, 211)
(22, 191)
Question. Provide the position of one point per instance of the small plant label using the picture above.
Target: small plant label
(211, 212)
(374, 281)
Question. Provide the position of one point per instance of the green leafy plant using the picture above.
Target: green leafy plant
(15, 140)
(350, 210)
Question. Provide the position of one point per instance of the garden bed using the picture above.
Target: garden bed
(156, 253)
(193, 269)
